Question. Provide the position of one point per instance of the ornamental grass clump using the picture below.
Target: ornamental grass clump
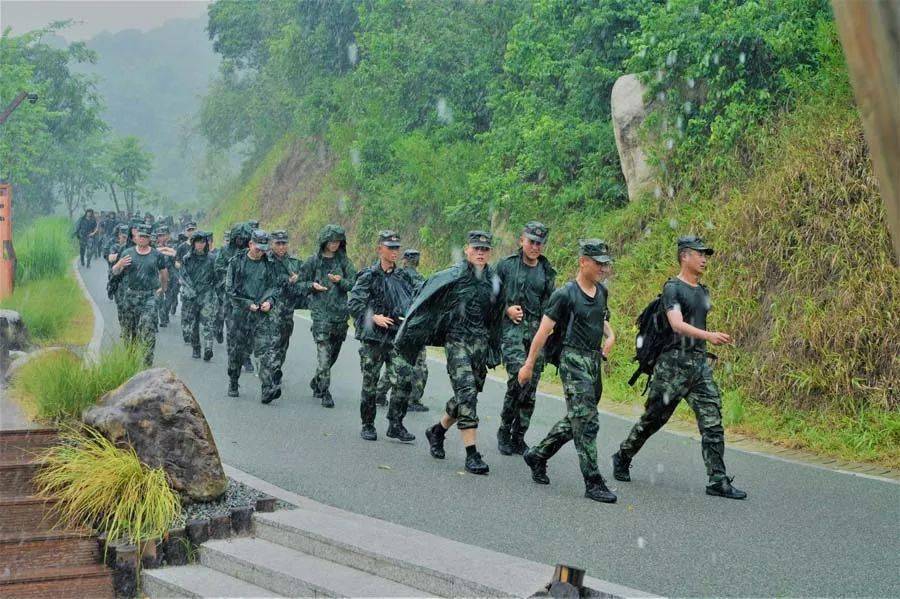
(104, 487)
(44, 250)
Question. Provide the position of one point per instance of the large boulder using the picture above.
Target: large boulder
(628, 113)
(13, 331)
(155, 413)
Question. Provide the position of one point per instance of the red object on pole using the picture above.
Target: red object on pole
(7, 253)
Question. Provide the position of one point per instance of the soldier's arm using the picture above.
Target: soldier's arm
(237, 301)
(349, 277)
(358, 299)
(537, 344)
(164, 279)
(676, 321)
(307, 275)
(610, 338)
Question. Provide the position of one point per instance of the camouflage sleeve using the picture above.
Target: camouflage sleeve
(358, 300)
(231, 289)
(307, 275)
(349, 278)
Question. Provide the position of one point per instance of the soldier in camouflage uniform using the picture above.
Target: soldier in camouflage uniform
(164, 303)
(458, 308)
(114, 289)
(526, 281)
(219, 322)
(288, 269)
(683, 372)
(144, 278)
(86, 229)
(251, 283)
(420, 368)
(377, 303)
(199, 300)
(580, 310)
(328, 276)
(240, 238)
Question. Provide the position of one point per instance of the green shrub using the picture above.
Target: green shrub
(101, 486)
(60, 385)
(47, 306)
(44, 250)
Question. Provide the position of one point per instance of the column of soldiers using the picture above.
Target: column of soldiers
(482, 314)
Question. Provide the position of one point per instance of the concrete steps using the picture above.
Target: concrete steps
(197, 581)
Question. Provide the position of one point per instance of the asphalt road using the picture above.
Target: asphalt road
(804, 531)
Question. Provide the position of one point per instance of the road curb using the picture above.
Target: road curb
(92, 351)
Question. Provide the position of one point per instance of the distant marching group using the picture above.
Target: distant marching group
(482, 314)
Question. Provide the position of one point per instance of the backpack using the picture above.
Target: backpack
(654, 332)
(554, 345)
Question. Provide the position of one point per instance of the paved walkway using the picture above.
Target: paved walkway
(804, 530)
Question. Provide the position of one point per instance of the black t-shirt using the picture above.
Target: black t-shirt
(586, 314)
(693, 303)
(143, 272)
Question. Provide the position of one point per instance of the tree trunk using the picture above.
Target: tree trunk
(112, 191)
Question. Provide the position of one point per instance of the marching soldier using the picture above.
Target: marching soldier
(199, 299)
(288, 269)
(683, 372)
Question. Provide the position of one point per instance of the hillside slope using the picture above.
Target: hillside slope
(804, 277)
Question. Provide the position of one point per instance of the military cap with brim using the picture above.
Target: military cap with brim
(198, 234)
(480, 239)
(122, 229)
(190, 225)
(410, 253)
(162, 230)
(536, 231)
(693, 242)
(253, 223)
(143, 230)
(261, 239)
(279, 236)
(389, 239)
(596, 249)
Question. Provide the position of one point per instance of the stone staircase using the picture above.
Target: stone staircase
(316, 550)
(38, 558)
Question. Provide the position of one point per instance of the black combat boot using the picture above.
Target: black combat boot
(368, 433)
(270, 395)
(381, 400)
(517, 443)
(475, 464)
(233, 388)
(196, 352)
(396, 430)
(595, 488)
(220, 338)
(327, 401)
(538, 467)
(724, 488)
(207, 354)
(435, 436)
(163, 324)
(248, 365)
(417, 407)
(503, 441)
(621, 464)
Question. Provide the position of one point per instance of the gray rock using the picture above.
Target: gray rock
(155, 413)
(23, 359)
(628, 113)
(14, 331)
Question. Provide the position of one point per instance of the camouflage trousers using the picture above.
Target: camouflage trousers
(285, 330)
(85, 250)
(388, 380)
(518, 403)
(683, 375)
(328, 346)
(197, 319)
(580, 374)
(138, 320)
(372, 356)
(467, 368)
(219, 322)
(167, 302)
(254, 333)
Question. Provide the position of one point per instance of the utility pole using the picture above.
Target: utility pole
(7, 252)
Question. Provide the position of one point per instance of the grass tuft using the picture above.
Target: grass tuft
(108, 488)
(60, 385)
(44, 250)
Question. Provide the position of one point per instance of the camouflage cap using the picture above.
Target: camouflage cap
(389, 239)
(190, 225)
(143, 230)
(536, 231)
(596, 249)
(279, 236)
(261, 239)
(410, 253)
(161, 230)
(480, 239)
(123, 229)
(693, 242)
(254, 224)
(198, 234)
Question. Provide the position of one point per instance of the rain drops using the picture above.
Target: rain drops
(742, 58)
(666, 398)
(456, 254)
(657, 192)
(691, 82)
(673, 223)
(641, 543)
(672, 58)
(444, 112)
(355, 159)
(495, 285)
(639, 341)
(660, 468)
(352, 53)
(670, 143)
(342, 204)
(687, 107)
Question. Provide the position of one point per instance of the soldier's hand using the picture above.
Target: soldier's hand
(515, 314)
(254, 307)
(334, 278)
(266, 306)
(177, 264)
(318, 287)
(112, 258)
(717, 338)
(124, 262)
(524, 375)
(159, 292)
(166, 251)
(293, 278)
(383, 321)
(607, 348)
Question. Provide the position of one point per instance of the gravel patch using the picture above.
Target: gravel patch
(236, 495)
